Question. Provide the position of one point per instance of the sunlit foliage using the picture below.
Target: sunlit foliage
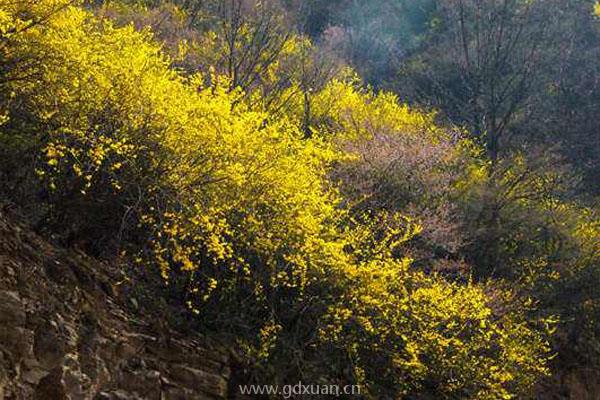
(233, 206)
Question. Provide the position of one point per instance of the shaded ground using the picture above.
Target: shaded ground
(65, 334)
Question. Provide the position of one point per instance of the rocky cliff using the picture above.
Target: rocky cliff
(66, 334)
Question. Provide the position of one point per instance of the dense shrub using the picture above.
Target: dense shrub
(234, 208)
(509, 221)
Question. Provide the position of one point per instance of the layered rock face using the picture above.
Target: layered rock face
(65, 333)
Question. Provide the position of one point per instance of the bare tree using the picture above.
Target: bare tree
(484, 63)
(255, 36)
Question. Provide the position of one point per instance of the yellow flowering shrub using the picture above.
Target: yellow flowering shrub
(346, 108)
(566, 280)
(405, 333)
(234, 209)
(422, 331)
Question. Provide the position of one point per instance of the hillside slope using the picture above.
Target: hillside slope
(65, 334)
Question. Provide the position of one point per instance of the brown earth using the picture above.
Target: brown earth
(66, 333)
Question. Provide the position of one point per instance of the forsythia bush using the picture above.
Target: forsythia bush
(344, 106)
(425, 336)
(235, 210)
